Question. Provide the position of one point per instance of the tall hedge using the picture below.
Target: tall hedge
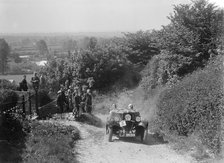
(194, 106)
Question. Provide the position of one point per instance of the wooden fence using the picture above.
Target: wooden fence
(24, 105)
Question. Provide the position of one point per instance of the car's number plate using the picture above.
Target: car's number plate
(130, 135)
(122, 123)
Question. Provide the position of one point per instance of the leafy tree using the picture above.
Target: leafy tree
(4, 53)
(103, 65)
(187, 43)
(42, 47)
(195, 31)
(143, 46)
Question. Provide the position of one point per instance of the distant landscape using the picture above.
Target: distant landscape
(16, 78)
(26, 56)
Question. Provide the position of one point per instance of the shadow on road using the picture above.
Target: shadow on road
(151, 139)
(90, 119)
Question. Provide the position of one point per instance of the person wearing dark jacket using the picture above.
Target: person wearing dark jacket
(83, 101)
(88, 102)
(35, 81)
(23, 84)
(61, 100)
(77, 102)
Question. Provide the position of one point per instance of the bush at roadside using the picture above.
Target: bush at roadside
(13, 128)
(5, 84)
(194, 106)
(8, 99)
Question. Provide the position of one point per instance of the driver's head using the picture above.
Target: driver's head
(130, 106)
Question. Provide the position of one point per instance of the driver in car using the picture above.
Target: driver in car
(131, 107)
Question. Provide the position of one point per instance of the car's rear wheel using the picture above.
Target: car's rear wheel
(110, 134)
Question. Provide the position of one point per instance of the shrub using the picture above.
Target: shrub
(43, 97)
(5, 84)
(8, 99)
(13, 128)
(194, 106)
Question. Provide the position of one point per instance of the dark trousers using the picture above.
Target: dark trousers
(61, 107)
(82, 105)
(88, 108)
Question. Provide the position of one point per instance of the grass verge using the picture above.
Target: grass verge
(49, 142)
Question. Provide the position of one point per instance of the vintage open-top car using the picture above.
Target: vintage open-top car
(126, 123)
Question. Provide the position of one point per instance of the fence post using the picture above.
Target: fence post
(36, 91)
(24, 109)
(30, 107)
(1, 115)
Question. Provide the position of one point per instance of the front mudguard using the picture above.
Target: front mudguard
(141, 128)
(143, 124)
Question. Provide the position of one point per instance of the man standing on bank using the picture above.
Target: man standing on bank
(61, 100)
(35, 81)
(77, 102)
(88, 102)
(23, 84)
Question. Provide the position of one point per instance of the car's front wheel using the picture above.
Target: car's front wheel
(110, 134)
(144, 134)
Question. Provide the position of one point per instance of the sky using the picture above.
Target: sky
(44, 16)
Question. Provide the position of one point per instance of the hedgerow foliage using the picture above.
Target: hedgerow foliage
(8, 99)
(5, 84)
(52, 142)
(13, 127)
(185, 44)
(194, 105)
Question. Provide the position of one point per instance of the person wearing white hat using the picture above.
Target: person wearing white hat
(61, 100)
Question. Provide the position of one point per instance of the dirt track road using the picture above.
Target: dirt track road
(94, 148)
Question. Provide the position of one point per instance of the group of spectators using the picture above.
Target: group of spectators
(69, 98)
(74, 99)
(35, 80)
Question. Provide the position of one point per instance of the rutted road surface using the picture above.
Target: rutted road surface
(93, 147)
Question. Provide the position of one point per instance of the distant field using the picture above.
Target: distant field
(17, 78)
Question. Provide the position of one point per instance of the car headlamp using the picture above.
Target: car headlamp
(138, 119)
(127, 117)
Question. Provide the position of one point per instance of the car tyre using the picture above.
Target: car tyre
(144, 134)
(110, 134)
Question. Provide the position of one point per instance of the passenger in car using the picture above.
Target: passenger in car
(113, 108)
(131, 107)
